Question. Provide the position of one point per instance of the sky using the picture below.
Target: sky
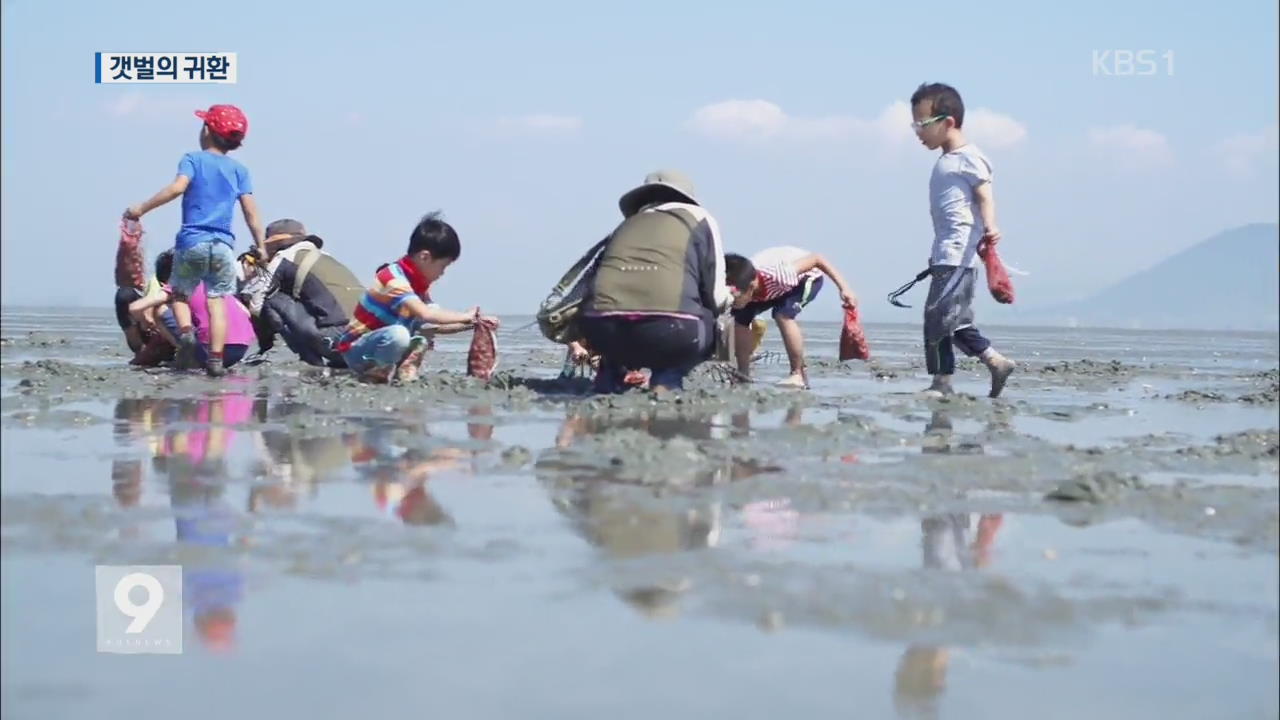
(525, 122)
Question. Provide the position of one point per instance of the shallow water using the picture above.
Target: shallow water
(475, 552)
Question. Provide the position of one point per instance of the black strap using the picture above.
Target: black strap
(893, 296)
(578, 267)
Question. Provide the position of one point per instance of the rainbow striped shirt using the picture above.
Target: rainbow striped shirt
(383, 304)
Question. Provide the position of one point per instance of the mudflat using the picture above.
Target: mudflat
(1101, 542)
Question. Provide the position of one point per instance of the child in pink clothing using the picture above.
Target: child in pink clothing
(239, 326)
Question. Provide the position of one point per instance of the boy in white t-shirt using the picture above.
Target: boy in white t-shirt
(961, 183)
(783, 280)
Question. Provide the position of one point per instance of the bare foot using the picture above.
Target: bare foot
(794, 380)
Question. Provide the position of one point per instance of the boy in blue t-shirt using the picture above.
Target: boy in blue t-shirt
(210, 184)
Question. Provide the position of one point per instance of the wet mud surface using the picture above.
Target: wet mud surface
(950, 549)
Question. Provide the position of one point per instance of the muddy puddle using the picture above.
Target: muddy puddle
(1100, 543)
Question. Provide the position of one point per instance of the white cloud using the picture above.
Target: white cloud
(1132, 147)
(541, 124)
(1244, 152)
(991, 129)
(758, 121)
(743, 120)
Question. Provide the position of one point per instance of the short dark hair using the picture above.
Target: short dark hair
(164, 266)
(225, 144)
(942, 99)
(435, 236)
(739, 272)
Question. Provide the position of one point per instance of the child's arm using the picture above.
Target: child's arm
(440, 316)
(249, 207)
(807, 263)
(452, 328)
(166, 194)
(987, 211)
(138, 308)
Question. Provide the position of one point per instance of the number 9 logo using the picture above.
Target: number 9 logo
(142, 614)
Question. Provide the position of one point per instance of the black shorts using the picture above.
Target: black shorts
(787, 306)
(124, 298)
(650, 342)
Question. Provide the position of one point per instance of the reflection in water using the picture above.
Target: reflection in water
(948, 543)
(628, 523)
(191, 447)
(772, 523)
(188, 442)
(399, 473)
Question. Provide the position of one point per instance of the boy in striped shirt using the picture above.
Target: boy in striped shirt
(390, 327)
(784, 280)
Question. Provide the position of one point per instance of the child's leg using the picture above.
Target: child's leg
(182, 315)
(743, 338)
(785, 312)
(792, 340)
(189, 266)
(219, 281)
(940, 358)
(972, 343)
(217, 326)
(377, 354)
(185, 358)
(132, 333)
(940, 361)
(167, 325)
(941, 314)
(411, 361)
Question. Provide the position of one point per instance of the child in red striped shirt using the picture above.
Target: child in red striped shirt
(784, 280)
(391, 326)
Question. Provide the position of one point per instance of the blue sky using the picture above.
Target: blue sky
(525, 122)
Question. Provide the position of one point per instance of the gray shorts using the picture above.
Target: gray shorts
(942, 319)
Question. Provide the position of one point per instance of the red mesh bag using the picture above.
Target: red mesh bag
(998, 281)
(130, 267)
(482, 358)
(853, 341)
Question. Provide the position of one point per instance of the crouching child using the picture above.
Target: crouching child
(392, 326)
(783, 280)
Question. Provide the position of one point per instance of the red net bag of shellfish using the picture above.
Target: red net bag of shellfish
(998, 281)
(482, 358)
(853, 341)
(130, 267)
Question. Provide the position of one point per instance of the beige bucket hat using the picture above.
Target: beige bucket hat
(660, 186)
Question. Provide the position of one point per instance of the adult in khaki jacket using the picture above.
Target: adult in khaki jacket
(657, 287)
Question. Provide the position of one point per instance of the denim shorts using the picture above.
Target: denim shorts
(212, 262)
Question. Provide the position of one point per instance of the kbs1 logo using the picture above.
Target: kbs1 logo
(200, 68)
(1131, 63)
(139, 608)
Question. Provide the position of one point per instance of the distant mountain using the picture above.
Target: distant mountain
(1230, 281)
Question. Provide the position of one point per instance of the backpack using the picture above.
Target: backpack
(558, 315)
(346, 289)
